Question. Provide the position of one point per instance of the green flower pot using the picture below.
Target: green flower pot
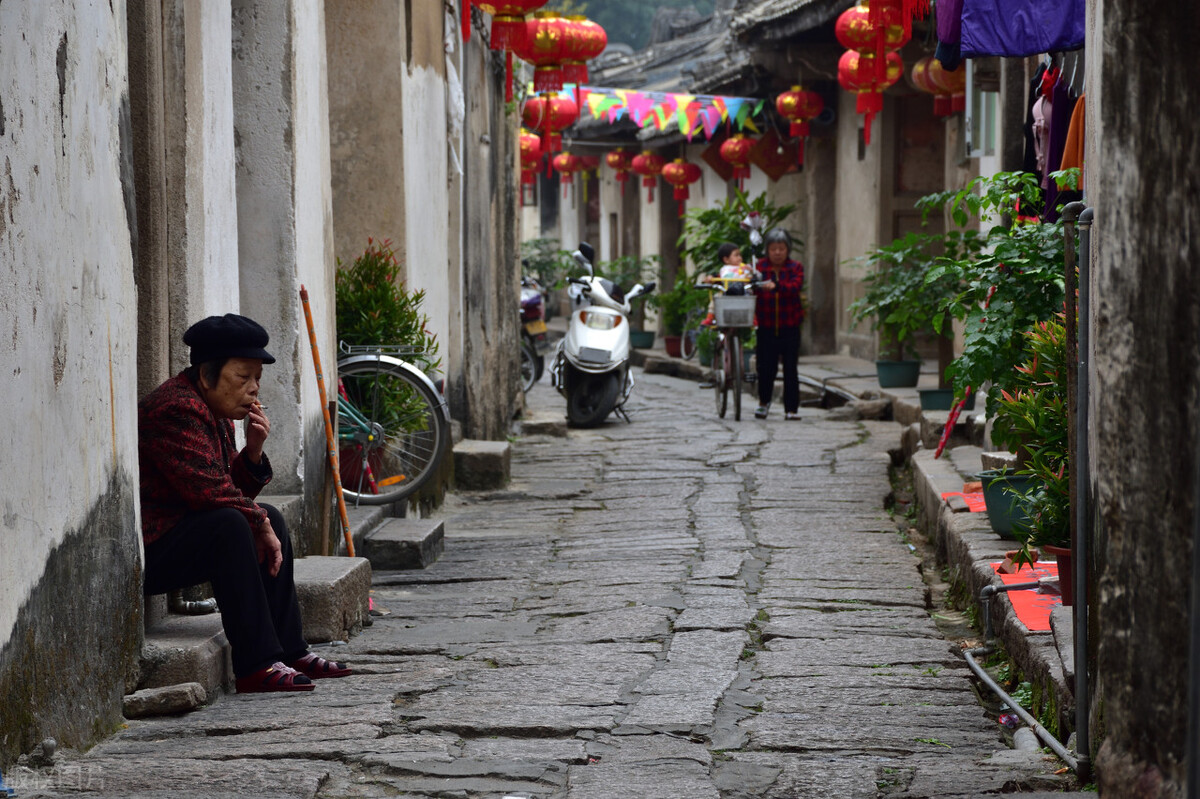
(898, 374)
(1003, 493)
(641, 339)
(942, 399)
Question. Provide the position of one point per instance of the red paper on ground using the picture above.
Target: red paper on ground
(974, 499)
(1032, 608)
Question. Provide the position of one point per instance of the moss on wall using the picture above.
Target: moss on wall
(74, 650)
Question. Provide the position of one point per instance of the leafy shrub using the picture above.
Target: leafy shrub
(375, 307)
(706, 229)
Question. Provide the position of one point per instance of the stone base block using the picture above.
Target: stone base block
(544, 423)
(334, 594)
(482, 465)
(167, 701)
(185, 649)
(404, 544)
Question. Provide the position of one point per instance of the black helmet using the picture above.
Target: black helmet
(778, 235)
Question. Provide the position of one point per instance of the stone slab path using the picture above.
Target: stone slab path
(682, 607)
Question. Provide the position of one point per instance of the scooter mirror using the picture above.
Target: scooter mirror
(583, 262)
(649, 287)
(586, 250)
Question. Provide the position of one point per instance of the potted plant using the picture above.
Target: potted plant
(1031, 419)
(673, 307)
(902, 300)
(1010, 283)
(547, 263)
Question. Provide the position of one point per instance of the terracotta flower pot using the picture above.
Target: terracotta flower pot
(672, 345)
(1066, 571)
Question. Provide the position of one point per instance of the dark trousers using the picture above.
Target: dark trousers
(260, 613)
(773, 345)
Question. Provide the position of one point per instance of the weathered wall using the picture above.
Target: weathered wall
(1147, 345)
(366, 54)
(426, 155)
(819, 188)
(201, 199)
(285, 226)
(857, 203)
(70, 578)
(485, 396)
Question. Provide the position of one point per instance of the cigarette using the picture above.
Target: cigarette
(261, 407)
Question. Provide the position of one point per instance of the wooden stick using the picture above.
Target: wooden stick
(330, 440)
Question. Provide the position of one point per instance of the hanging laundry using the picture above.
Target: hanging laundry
(1021, 27)
(1060, 121)
(949, 33)
(1030, 162)
(1073, 149)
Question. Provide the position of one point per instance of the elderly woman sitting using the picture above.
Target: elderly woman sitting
(200, 522)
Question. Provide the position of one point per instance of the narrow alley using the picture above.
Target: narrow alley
(679, 607)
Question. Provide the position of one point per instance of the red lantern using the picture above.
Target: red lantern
(907, 9)
(567, 165)
(680, 174)
(857, 72)
(508, 29)
(620, 162)
(589, 162)
(798, 107)
(920, 78)
(736, 152)
(875, 30)
(649, 164)
(531, 154)
(586, 40)
(550, 114)
(548, 40)
(950, 83)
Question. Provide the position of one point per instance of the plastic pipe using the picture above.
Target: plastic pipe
(985, 598)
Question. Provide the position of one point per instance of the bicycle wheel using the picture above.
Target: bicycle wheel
(687, 343)
(720, 378)
(734, 347)
(529, 370)
(393, 429)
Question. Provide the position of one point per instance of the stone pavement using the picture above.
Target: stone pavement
(679, 607)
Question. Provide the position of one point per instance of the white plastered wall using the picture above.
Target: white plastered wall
(68, 419)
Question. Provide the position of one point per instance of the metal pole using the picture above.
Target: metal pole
(1083, 508)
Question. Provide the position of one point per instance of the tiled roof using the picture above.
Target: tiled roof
(779, 19)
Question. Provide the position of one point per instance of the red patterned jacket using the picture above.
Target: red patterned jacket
(188, 461)
(782, 306)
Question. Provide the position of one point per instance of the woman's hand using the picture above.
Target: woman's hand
(769, 285)
(258, 427)
(266, 544)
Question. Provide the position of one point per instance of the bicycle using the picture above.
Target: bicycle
(732, 314)
(393, 424)
(693, 323)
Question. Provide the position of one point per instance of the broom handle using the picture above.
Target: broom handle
(329, 437)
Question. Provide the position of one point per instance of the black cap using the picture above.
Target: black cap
(228, 336)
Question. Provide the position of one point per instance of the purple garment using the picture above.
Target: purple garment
(1063, 105)
(1020, 27)
(949, 21)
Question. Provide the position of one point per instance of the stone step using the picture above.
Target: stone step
(334, 594)
(363, 520)
(482, 465)
(186, 649)
(544, 423)
(404, 544)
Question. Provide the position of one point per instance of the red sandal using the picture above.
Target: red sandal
(276, 677)
(317, 667)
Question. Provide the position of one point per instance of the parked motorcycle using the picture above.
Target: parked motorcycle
(591, 363)
(535, 342)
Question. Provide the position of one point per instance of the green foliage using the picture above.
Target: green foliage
(628, 270)
(374, 306)
(675, 305)
(1012, 282)
(546, 261)
(706, 229)
(902, 299)
(1033, 415)
(706, 344)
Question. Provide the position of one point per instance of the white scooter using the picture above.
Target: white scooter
(591, 363)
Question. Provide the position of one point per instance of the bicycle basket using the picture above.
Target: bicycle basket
(732, 311)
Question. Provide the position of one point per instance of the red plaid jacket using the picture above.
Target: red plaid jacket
(782, 306)
(188, 461)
